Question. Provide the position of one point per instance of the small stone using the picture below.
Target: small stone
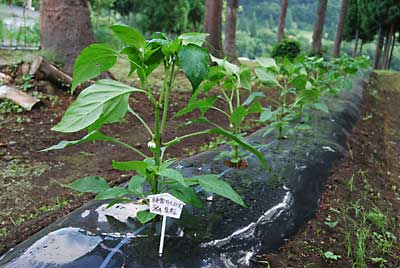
(11, 143)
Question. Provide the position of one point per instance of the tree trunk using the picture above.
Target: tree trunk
(339, 29)
(378, 51)
(230, 30)
(361, 48)
(355, 45)
(388, 42)
(319, 27)
(282, 19)
(212, 25)
(65, 28)
(391, 51)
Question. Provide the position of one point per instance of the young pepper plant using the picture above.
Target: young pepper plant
(228, 79)
(107, 101)
(296, 91)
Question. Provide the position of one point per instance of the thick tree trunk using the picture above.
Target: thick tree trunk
(388, 42)
(378, 50)
(212, 25)
(65, 28)
(319, 27)
(355, 45)
(230, 30)
(282, 19)
(339, 29)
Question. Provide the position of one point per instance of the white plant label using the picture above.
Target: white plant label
(168, 206)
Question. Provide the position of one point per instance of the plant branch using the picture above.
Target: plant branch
(141, 120)
(127, 146)
(178, 139)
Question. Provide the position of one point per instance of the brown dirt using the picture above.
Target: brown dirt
(367, 182)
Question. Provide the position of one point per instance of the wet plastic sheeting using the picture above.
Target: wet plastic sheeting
(221, 234)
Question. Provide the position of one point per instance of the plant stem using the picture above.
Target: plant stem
(123, 144)
(141, 120)
(282, 100)
(166, 100)
(220, 110)
(178, 139)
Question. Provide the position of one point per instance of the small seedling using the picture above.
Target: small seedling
(329, 255)
(332, 224)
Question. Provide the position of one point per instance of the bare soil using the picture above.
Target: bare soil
(358, 220)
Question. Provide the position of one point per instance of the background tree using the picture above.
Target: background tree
(353, 24)
(282, 19)
(196, 16)
(65, 28)
(169, 16)
(230, 30)
(212, 25)
(339, 28)
(316, 47)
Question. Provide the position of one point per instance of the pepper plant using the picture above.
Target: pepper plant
(228, 79)
(301, 85)
(107, 101)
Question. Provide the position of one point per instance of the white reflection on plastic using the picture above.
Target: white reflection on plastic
(54, 248)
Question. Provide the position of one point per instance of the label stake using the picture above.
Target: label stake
(160, 251)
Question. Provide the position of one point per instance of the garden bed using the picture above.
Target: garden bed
(358, 220)
(221, 234)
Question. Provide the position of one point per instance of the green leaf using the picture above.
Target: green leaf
(193, 38)
(171, 48)
(186, 194)
(255, 108)
(231, 68)
(299, 82)
(172, 174)
(135, 59)
(130, 36)
(138, 166)
(145, 216)
(322, 107)
(242, 144)
(194, 61)
(347, 84)
(266, 115)
(91, 62)
(266, 77)
(136, 183)
(238, 115)
(112, 193)
(253, 96)
(92, 136)
(331, 256)
(203, 105)
(267, 63)
(212, 184)
(91, 184)
(104, 102)
(245, 78)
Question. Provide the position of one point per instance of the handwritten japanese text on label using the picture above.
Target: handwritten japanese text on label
(166, 205)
